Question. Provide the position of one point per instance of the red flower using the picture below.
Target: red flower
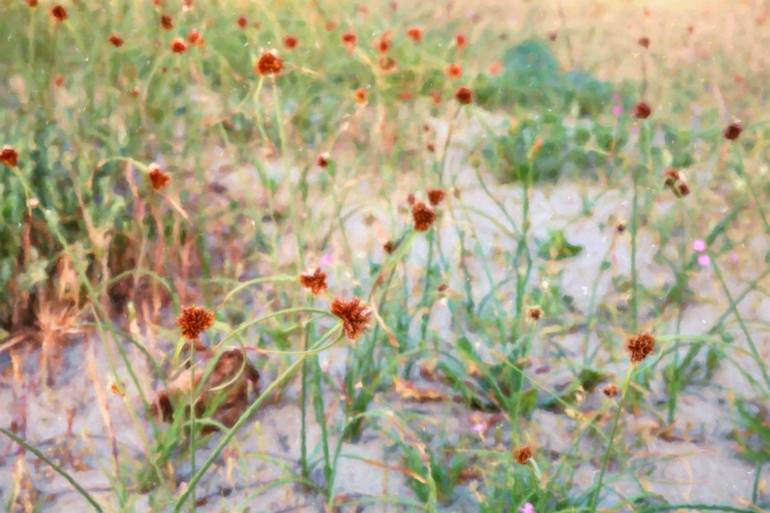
(355, 316)
(454, 71)
(290, 42)
(387, 63)
(178, 45)
(360, 95)
(644, 42)
(733, 131)
(58, 12)
(436, 196)
(464, 95)
(423, 216)
(194, 38)
(415, 34)
(242, 22)
(115, 40)
(349, 40)
(323, 160)
(32, 3)
(158, 179)
(460, 41)
(167, 22)
(9, 156)
(642, 110)
(193, 321)
(269, 64)
(315, 281)
(640, 346)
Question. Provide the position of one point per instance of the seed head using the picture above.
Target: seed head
(158, 178)
(58, 13)
(423, 216)
(389, 247)
(436, 196)
(355, 316)
(115, 40)
(642, 110)
(535, 313)
(523, 454)
(193, 321)
(733, 131)
(464, 95)
(640, 346)
(178, 45)
(315, 281)
(610, 390)
(269, 64)
(167, 22)
(9, 156)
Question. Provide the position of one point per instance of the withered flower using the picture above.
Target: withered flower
(642, 110)
(58, 12)
(640, 346)
(644, 42)
(158, 178)
(193, 321)
(389, 247)
(167, 22)
(523, 454)
(355, 316)
(323, 160)
(464, 95)
(733, 131)
(535, 313)
(436, 196)
(9, 156)
(423, 216)
(269, 64)
(315, 281)
(115, 40)
(610, 390)
(349, 40)
(461, 41)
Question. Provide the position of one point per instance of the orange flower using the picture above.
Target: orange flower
(9, 156)
(115, 40)
(460, 41)
(178, 45)
(640, 346)
(290, 42)
(355, 316)
(535, 313)
(314, 281)
(495, 68)
(58, 12)
(383, 43)
(423, 216)
(194, 38)
(167, 22)
(436, 196)
(158, 179)
(360, 95)
(193, 321)
(269, 64)
(464, 95)
(523, 454)
(349, 40)
(454, 71)
(415, 34)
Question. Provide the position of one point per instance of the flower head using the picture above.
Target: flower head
(178, 45)
(315, 281)
(115, 40)
(59, 13)
(158, 178)
(436, 196)
(269, 63)
(242, 22)
(9, 156)
(642, 110)
(527, 508)
(610, 390)
(193, 321)
(535, 313)
(360, 95)
(461, 41)
(323, 160)
(704, 260)
(167, 22)
(423, 216)
(194, 38)
(640, 346)
(349, 40)
(415, 34)
(389, 247)
(523, 454)
(699, 245)
(644, 42)
(355, 316)
(733, 131)
(454, 71)
(290, 42)
(464, 95)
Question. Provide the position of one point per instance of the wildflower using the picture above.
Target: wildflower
(383, 43)
(610, 390)
(269, 63)
(242, 22)
(460, 41)
(314, 281)
(32, 3)
(535, 313)
(178, 45)
(115, 40)
(387, 63)
(523, 454)
(349, 40)
(157, 177)
(360, 95)
(167, 22)
(436, 196)
(454, 71)
(704, 260)
(193, 321)
(415, 34)
(290, 42)
(620, 227)
(323, 160)
(389, 247)
(733, 131)
(642, 110)
(675, 180)
(495, 68)
(406, 95)
(527, 508)
(640, 346)
(423, 216)
(9, 156)
(355, 316)
(644, 42)
(699, 245)
(59, 13)
(436, 95)
(58, 80)
(330, 25)
(464, 95)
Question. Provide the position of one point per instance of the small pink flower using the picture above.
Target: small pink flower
(699, 245)
(527, 508)
(326, 260)
(479, 428)
(734, 257)
(617, 110)
(704, 260)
